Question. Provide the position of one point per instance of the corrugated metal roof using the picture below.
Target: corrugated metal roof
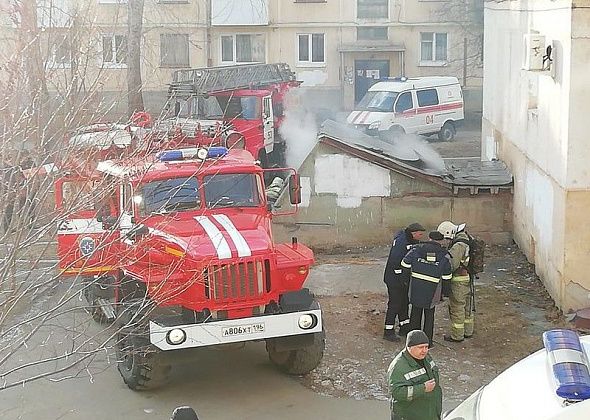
(409, 158)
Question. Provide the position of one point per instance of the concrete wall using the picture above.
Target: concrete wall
(537, 121)
(351, 202)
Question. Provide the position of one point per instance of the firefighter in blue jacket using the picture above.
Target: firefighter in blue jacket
(427, 265)
(397, 306)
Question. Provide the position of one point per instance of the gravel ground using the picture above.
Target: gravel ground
(512, 311)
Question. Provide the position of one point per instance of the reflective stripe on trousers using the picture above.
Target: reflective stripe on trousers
(460, 308)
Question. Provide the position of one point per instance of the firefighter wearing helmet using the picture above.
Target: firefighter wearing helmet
(460, 299)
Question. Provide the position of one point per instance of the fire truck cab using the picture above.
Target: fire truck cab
(179, 254)
(242, 105)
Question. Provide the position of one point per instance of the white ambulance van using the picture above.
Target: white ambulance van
(551, 384)
(420, 105)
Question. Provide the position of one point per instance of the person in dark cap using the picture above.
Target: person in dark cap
(184, 413)
(414, 384)
(397, 305)
(427, 266)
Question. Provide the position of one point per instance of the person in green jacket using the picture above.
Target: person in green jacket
(414, 385)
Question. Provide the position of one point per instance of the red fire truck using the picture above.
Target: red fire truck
(176, 248)
(241, 105)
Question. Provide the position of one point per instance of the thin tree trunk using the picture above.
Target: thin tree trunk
(34, 69)
(134, 83)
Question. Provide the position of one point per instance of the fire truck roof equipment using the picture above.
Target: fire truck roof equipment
(209, 80)
(192, 153)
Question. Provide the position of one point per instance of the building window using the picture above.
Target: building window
(311, 48)
(371, 33)
(174, 50)
(114, 50)
(243, 48)
(60, 53)
(433, 47)
(372, 9)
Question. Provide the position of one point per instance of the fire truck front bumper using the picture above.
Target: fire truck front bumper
(235, 330)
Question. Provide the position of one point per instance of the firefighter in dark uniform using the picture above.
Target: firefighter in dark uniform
(414, 382)
(427, 265)
(397, 306)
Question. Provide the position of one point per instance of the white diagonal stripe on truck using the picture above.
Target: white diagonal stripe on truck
(235, 235)
(217, 239)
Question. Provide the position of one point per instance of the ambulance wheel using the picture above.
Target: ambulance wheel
(140, 364)
(447, 132)
(299, 361)
(394, 132)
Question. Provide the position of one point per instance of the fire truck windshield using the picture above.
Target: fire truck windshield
(167, 195)
(231, 190)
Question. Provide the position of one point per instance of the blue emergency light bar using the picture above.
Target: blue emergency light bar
(191, 153)
(569, 363)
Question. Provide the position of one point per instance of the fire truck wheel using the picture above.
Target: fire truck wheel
(299, 361)
(139, 363)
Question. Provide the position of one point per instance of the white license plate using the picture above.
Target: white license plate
(242, 330)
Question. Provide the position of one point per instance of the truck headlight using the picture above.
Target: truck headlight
(374, 125)
(176, 337)
(307, 321)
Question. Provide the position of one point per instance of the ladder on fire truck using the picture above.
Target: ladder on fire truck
(209, 80)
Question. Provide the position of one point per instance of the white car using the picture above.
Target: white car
(551, 384)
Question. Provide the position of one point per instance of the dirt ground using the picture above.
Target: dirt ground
(513, 310)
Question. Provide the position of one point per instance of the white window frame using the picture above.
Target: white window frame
(235, 50)
(310, 63)
(433, 62)
(112, 64)
(51, 54)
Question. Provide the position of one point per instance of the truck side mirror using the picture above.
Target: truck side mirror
(108, 222)
(138, 231)
(295, 189)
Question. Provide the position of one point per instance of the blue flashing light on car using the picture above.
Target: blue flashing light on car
(192, 153)
(569, 363)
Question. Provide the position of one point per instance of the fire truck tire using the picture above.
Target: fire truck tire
(139, 363)
(300, 361)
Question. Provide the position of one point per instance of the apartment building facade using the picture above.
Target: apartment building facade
(534, 119)
(338, 48)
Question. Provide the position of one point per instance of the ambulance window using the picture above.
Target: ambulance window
(404, 102)
(427, 97)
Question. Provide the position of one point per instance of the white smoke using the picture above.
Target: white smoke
(430, 158)
(299, 130)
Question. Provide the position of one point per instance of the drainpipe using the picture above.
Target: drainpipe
(208, 57)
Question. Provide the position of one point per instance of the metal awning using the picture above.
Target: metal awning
(371, 47)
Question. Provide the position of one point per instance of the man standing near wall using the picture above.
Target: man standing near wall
(460, 299)
(427, 266)
(397, 290)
